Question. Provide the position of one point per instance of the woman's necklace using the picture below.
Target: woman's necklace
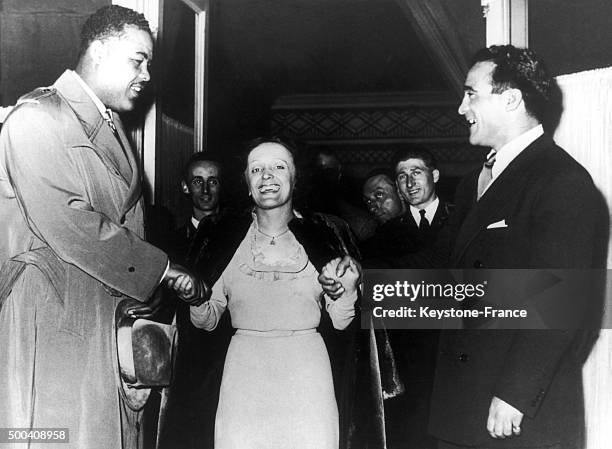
(272, 242)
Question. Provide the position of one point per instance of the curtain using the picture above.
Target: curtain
(585, 131)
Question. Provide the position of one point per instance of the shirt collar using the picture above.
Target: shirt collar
(430, 211)
(104, 111)
(506, 154)
(195, 222)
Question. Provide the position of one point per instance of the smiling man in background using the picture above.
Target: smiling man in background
(417, 238)
(202, 183)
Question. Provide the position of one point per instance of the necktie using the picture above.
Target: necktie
(486, 174)
(108, 116)
(424, 223)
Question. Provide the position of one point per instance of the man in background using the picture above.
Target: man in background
(201, 183)
(381, 198)
(188, 416)
(328, 190)
(419, 238)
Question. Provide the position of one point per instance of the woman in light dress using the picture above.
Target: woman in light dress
(277, 389)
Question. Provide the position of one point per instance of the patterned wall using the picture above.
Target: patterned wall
(402, 124)
(365, 131)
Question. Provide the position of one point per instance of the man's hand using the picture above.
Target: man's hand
(332, 279)
(504, 420)
(147, 309)
(191, 290)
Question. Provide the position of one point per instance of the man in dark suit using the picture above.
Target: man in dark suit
(188, 419)
(418, 238)
(529, 207)
(202, 184)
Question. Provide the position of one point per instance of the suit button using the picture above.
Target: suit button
(463, 358)
(478, 264)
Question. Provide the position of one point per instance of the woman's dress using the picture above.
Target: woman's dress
(277, 389)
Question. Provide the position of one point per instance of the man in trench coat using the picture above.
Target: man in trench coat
(72, 243)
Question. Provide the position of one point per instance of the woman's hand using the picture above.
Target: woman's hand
(340, 275)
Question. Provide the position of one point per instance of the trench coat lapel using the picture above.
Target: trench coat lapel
(115, 151)
(101, 138)
(134, 181)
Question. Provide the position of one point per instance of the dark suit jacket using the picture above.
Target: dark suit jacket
(399, 243)
(555, 219)
(189, 418)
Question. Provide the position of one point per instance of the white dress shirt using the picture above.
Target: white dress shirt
(430, 211)
(506, 154)
(99, 105)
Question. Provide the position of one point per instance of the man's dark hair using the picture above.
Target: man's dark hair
(110, 21)
(202, 156)
(416, 153)
(519, 68)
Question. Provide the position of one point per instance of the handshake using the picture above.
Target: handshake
(339, 275)
(190, 289)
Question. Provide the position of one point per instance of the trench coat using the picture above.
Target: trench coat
(72, 246)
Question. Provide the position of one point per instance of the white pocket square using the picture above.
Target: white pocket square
(498, 224)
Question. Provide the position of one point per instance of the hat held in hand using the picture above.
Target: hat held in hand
(145, 352)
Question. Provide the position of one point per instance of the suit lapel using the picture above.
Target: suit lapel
(493, 204)
(409, 219)
(440, 215)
